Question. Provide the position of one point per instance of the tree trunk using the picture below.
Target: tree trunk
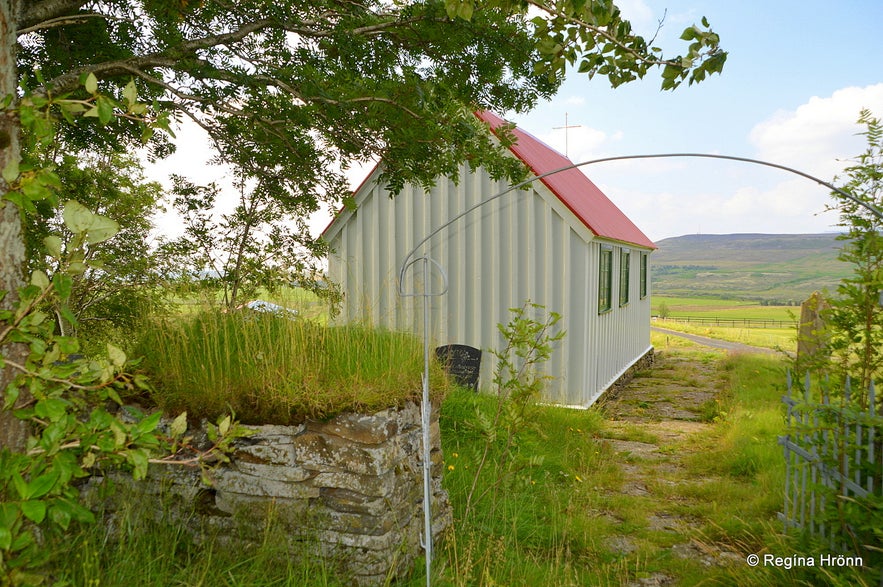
(13, 432)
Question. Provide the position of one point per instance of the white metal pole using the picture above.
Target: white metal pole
(426, 411)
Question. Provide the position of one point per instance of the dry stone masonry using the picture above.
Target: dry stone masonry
(349, 488)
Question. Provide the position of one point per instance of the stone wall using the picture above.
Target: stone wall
(645, 362)
(351, 488)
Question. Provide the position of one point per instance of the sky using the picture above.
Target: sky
(797, 76)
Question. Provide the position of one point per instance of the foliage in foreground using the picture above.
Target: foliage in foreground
(855, 319)
(845, 356)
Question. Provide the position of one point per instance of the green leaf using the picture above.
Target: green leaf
(116, 354)
(101, 229)
(88, 460)
(120, 438)
(20, 201)
(10, 396)
(91, 83)
(35, 511)
(139, 461)
(42, 484)
(21, 488)
(76, 216)
(671, 72)
(465, 10)
(11, 171)
(53, 246)
(71, 106)
(105, 110)
(179, 425)
(40, 279)
(224, 426)
(5, 538)
(34, 189)
(51, 408)
(63, 285)
(142, 382)
(77, 268)
(148, 424)
(130, 93)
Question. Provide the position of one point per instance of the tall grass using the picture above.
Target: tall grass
(561, 518)
(565, 518)
(273, 370)
(146, 549)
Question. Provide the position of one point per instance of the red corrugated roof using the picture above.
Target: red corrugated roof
(575, 190)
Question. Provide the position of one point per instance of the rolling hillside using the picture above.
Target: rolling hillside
(771, 268)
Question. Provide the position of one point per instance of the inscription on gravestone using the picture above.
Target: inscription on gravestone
(462, 362)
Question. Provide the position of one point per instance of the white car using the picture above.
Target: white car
(269, 308)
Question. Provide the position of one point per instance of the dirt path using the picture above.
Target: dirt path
(650, 426)
(715, 342)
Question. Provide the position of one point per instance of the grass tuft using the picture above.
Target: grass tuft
(272, 370)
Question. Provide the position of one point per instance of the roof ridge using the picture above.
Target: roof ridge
(572, 187)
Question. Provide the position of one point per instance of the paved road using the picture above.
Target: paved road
(716, 343)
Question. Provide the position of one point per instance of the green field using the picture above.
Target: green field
(779, 269)
(718, 308)
(781, 338)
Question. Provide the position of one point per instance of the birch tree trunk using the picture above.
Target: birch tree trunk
(13, 432)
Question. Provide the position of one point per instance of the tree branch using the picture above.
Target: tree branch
(601, 32)
(66, 20)
(39, 12)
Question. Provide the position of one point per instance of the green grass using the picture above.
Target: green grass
(307, 304)
(729, 309)
(559, 515)
(272, 370)
(147, 550)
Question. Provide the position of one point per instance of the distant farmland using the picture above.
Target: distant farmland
(766, 268)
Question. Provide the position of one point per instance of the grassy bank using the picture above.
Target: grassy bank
(585, 498)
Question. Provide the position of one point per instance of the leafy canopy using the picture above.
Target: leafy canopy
(289, 90)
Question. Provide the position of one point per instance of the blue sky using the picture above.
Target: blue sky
(797, 75)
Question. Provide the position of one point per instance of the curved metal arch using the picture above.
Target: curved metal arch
(426, 541)
(873, 209)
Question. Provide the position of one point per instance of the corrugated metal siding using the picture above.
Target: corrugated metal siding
(523, 246)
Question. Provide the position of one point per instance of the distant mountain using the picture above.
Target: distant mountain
(769, 268)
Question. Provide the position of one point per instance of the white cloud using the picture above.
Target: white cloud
(638, 13)
(578, 142)
(820, 135)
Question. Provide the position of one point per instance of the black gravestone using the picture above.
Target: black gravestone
(462, 362)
